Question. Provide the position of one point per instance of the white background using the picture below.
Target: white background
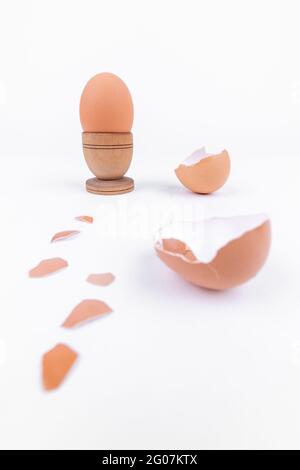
(174, 366)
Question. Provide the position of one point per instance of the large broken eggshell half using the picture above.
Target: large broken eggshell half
(204, 172)
(216, 253)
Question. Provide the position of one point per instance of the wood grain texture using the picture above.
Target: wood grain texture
(110, 187)
(108, 155)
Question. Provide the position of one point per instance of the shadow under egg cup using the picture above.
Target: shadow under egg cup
(108, 155)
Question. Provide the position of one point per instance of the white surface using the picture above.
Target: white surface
(196, 157)
(174, 366)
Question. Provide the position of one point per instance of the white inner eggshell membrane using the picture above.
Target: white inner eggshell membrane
(196, 156)
(206, 237)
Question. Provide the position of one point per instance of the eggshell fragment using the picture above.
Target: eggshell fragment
(85, 218)
(56, 363)
(103, 279)
(48, 266)
(106, 105)
(85, 311)
(218, 253)
(64, 235)
(204, 173)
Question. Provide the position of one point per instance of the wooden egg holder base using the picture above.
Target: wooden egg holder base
(109, 187)
(108, 156)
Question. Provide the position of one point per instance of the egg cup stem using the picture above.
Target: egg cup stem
(108, 156)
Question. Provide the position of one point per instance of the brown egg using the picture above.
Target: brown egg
(221, 253)
(204, 173)
(106, 105)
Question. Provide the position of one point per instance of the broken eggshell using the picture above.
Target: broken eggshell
(86, 311)
(101, 279)
(85, 218)
(64, 235)
(48, 266)
(217, 253)
(203, 172)
(56, 364)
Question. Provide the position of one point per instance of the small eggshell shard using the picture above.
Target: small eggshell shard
(48, 266)
(204, 173)
(102, 279)
(66, 234)
(56, 364)
(85, 218)
(217, 253)
(85, 311)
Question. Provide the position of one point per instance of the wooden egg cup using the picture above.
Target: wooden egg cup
(108, 155)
